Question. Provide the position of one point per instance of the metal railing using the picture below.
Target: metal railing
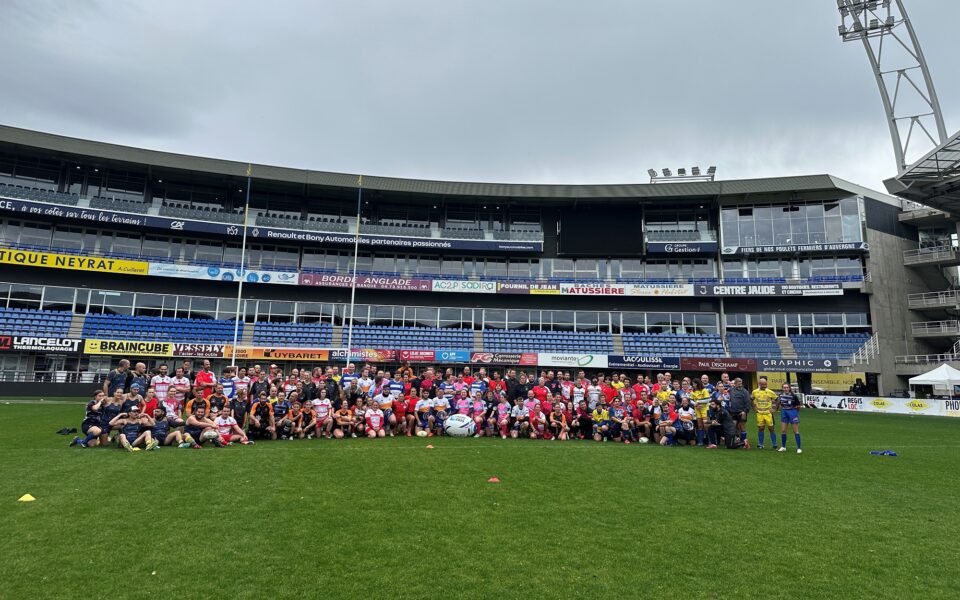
(933, 299)
(928, 255)
(935, 328)
(52, 377)
(868, 351)
(925, 359)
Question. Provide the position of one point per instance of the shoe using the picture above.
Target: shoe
(746, 444)
(759, 447)
(196, 446)
(711, 447)
(82, 444)
(626, 441)
(476, 435)
(782, 449)
(391, 434)
(63, 431)
(353, 435)
(183, 445)
(153, 445)
(75, 441)
(125, 444)
(71, 430)
(310, 437)
(799, 451)
(135, 450)
(429, 434)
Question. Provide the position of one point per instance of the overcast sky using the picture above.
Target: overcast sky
(551, 91)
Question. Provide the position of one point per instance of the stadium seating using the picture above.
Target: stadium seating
(673, 344)
(309, 335)
(24, 321)
(753, 344)
(119, 205)
(182, 210)
(159, 329)
(828, 345)
(425, 338)
(515, 340)
(38, 194)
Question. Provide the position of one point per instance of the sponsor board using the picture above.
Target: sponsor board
(504, 358)
(220, 274)
(231, 230)
(14, 343)
(416, 355)
(72, 262)
(264, 353)
(633, 361)
(545, 289)
(583, 361)
(895, 406)
(682, 247)
(127, 347)
(475, 287)
(798, 365)
(452, 356)
(364, 354)
(200, 350)
(747, 365)
(366, 282)
(770, 289)
(659, 289)
(834, 382)
(793, 248)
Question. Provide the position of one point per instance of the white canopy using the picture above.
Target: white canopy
(943, 376)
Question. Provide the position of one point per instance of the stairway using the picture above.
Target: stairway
(477, 340)
(618, 344)
(247, 338)
(337, 340)
(786, 347)
(76, 326)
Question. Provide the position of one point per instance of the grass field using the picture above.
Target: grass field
(390, 518)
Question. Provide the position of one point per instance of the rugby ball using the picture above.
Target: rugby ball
(459, 426)
(421, 433)
(643, 440)
(209, 435)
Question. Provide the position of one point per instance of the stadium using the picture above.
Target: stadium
(339, 384)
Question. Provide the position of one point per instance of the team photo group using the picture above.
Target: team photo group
(139, 409)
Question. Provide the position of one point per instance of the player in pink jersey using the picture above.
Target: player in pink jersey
(375, 420)
(462, 403)
(324, 409)
(478, 410)
(501, 416)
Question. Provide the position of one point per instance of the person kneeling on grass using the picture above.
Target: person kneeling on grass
(601, 422)
(722, 425)
(558, 423)
(666, 420)
(134, 430)
(92, 422)
(201, 429)
(374, 419)
(228, 428)
(261, 423)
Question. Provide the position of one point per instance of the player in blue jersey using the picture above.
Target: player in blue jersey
(229, 383)
(789, 404)
(92, 424)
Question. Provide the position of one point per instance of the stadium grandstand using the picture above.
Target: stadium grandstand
(106, 247)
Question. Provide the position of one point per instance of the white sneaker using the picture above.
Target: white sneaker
(799, 451)
(782, 449)
(476, 435)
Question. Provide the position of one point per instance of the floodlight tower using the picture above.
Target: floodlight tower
(906, 87)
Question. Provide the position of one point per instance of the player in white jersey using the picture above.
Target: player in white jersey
(375, 421)
(593, 394)
(176, 396)
(228, 429)
(241, 381)
(324, 409)
(161, 384)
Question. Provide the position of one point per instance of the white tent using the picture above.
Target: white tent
(943, 377)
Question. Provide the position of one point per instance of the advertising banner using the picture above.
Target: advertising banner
(72, 262)
(14, 343)
(769, 289)
(200, 350)
(504, 358)
(366, 282)
(263, 353)
(364, 354)
(201, 272)
(451, 356)
(798, 365)
(582, 361)
(896, 406)
(666, 363)
(475, 287)
(134, 220)
(127, 347)
(416, 355)
(794, 248)
(658, 289)
(834, 382)
(682, 247)
(747, 365)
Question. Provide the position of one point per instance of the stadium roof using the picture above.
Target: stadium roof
(64, 145)
(934, 180)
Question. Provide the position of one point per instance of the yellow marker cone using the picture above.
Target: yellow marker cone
(26, 498)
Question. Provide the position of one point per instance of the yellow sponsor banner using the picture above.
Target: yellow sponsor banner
(128, 347)
(831, 382)
(72, 262)
(258, 353)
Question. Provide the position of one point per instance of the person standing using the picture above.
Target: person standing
(789, 404)
(740, 408)
(763, 399)
(204, 382)
(117, 378)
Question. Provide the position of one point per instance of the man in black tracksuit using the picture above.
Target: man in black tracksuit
(740, 406)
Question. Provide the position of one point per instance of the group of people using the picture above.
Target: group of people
(138, 409)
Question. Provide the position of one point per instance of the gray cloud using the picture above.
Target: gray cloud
(539, 91)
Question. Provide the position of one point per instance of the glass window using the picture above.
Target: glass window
(384, 263)
(452, 266)
(149, 305)
(522, 268)
(313, 259)
(68, 238)
(231, 254)
(205, 308)
(58, 298)
(280, 312)
(381, 315)
(34, 234)
(429, 266)
(494, 318)
(658, 323)
(154, 246)
(25, 296)
(523, 319)
(493, 268)
(425, 316)
(634, 322)
(456, 318)
(589, 321)
(562, 320)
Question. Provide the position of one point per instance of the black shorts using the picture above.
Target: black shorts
(259, 433)
(738, 419)
(86, 425)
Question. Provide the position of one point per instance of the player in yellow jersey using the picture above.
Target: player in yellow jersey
(700, 397)
(764, 400)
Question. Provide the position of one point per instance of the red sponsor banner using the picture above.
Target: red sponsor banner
(365, 354)
(593, 290)
(417, 355)
(718, 364)
(367, 282)
(504, 358)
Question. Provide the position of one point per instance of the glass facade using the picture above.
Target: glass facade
(798, 323)
(828, 222)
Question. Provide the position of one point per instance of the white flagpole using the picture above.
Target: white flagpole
(353, 282)
(243, 270)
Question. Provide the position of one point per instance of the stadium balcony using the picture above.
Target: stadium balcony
(673, 344)
(182, 210)
(315, 335)
(753, 344)
(682, 235)
(416, 338)
(158, 329)
(519, 340)
(828, 345)
(29, 322)
(38, 194)
(119, 205)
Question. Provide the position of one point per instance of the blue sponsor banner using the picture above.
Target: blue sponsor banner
(682, 247)
(634, 361)
(449, 356)
(105, 218)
